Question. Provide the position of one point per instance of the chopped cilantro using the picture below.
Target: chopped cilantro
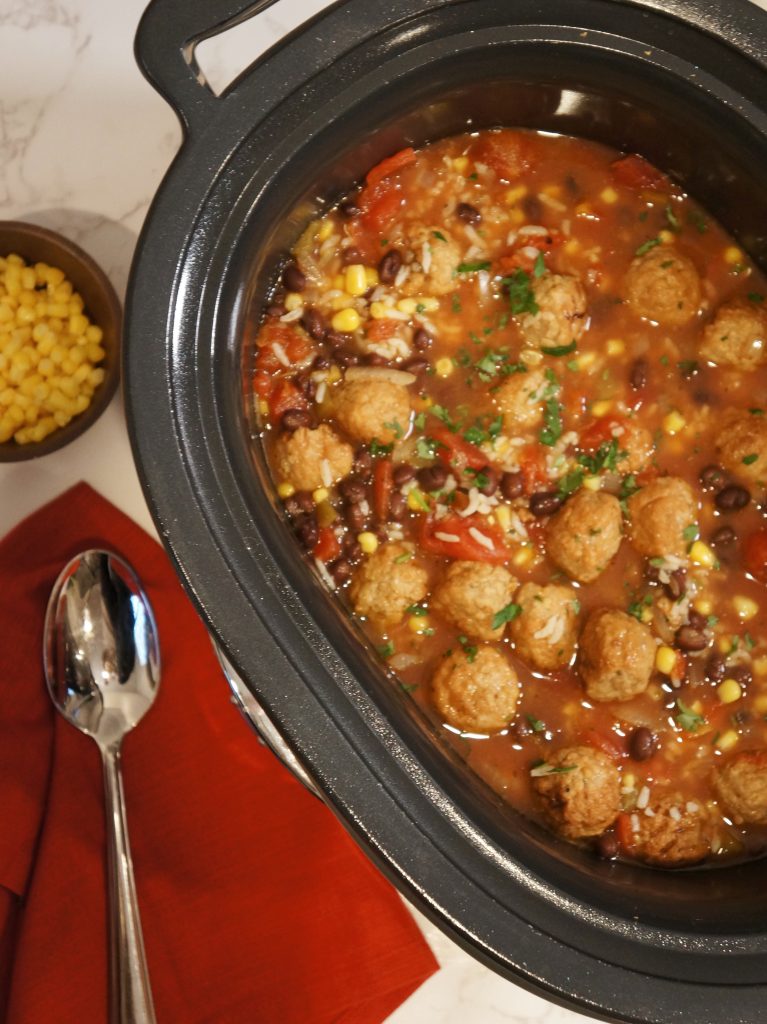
(559, 350)
(755, 297)
(426, 447)
(406, 556)
(396, 429)
(698, 221)
(540, 770)
(570, 482)
(470, 650)
(690, 533)
(673, 220)
(748, 460)
(417, 610)
(506, 614)
(521, 295)
(442, 414)
(420, 421)
(539, 267)
(552, 423)
(688, 367)
(378, 450)
(646, 246)
(455, 302)
(629, 486)
(605, 457)
(749, 641)
(408, 687)
(386, 650)
(688, 719)
(473, 267)
(439, 235)
(636, 608)
(756, 412)
(711, 620)
(535, 723)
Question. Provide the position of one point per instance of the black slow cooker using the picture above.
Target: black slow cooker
(683, 82)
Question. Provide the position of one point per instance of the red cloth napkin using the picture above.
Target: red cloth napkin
(255, 904)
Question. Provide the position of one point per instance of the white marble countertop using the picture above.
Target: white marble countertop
(84, 142)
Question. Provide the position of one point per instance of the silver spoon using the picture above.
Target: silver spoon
(102, 666)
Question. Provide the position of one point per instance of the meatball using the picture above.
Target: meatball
(471, 594)
(662, 285)
(737, 336)
(434, 249)
(561, 316)
(585, 534)
(520, 399)
(388, 582)
(309, 459)
(741, 785)
(545, 631)
(674, 833)
(476, 691)
(659, 514)
(373, 409)
(742, 444)
(579, 791)
(635, 447)
(616, 655)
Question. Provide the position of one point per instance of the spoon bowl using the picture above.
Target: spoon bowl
(102, 667)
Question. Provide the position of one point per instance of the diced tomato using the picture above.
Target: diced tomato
(755, 555)
(263, 383)
(327, 548)
(296, 346)
(518, 258)
(454, 451)
(382, 330)
(634, 171)
(624, 833)
(599, 431)
(532, 465)
(379, 208)
(506, 154)
(390, 165)
(383, 484)
(466, 547)
(284, 396)
(607, 742)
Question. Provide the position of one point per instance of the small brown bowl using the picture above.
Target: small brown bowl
(39, 245)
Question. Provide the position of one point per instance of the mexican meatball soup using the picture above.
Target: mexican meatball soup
(513, 394)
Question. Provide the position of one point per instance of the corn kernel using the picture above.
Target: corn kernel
(444, 367)
(407, 306)
(324, 230)
(760, 703)
(356, 280)
(346, 321)
(426, 304)
(516, 217)
(666, 236)
(608, 195)
(702, 554)
(367, 541)
(759, 666)
(293, 300)
(371, 276)
(703, 606)
(600, 409)
(585, 359)
(572, 245)
(339, 282)
(629, 781)
(729, 691)
(418, 624)
(78, 324)
(724, 644)
(416, 501)
(460, 164)
(647, 615)
(727, 740)
(380, 311)
(326, 514)
(503, 517)
(615, 347)
(523, 556)
(515, 194)
(745, 607)
(665, 660)
(334, 374)
(320, 495)
(592, 483)
(732, 254)
(673, 422)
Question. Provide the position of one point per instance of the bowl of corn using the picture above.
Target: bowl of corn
(60, 323)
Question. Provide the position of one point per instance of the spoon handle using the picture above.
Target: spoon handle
(130, 992)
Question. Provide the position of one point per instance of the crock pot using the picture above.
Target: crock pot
(684, 83)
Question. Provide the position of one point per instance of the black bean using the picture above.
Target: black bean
(397, 506)
(512, 485)
(308, 532)
(545, 503)
(403, 474)
(321, 363)
(350, 546)
(676, 584)
(732, 498)
(293, 278)
(389, 266)
(305, 383)
(639, 374)
(305, 500)
(356, 517)
(697, 620)
(363, 463)
(416, 365)
(533, 209)
(313, 322)
(421, 339)
(468, 213)
(346, 358)
(489, 485)
(712, 477)
(337, 340)
(724, 537)
(432, 478)
(292, 419)
(341, 571)
(349, 209)
(374, 359)
(690, 639)
(292, 507)
(351, 256)
(642, 743)
(716, 668)
(607, 846)
(353, 489)
(276, 310)
(740, 673)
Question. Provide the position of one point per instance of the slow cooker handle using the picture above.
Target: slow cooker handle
(165, 43)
